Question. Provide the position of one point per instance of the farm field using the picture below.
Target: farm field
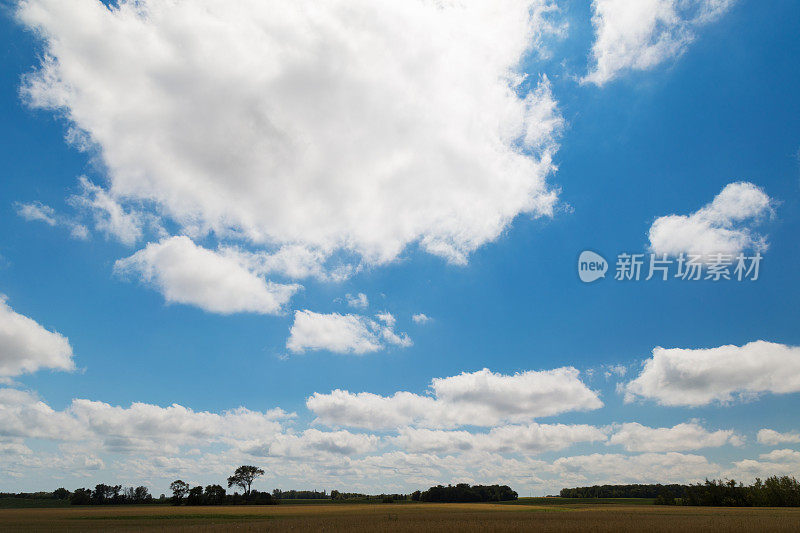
(404, 518)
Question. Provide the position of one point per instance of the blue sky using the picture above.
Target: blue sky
(716, 105)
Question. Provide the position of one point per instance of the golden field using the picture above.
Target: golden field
(401, 518)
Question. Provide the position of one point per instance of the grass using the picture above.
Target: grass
(462, 518)
(24, 503)
(573, 501)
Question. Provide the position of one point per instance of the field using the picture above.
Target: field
(463, 518)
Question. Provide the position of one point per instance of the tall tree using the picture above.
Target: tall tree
(244, 476)
(179, 489)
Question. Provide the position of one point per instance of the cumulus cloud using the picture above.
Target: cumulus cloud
(315, 121)
(26, 346)
(529, 439)
(141, 428)
(725, 226)
(774, 463)
(770, 437)
(481, 398)
(640, 34)
(696, 377)
(339, 333)
(312, 441)
(189, 274)
(672, 467)
(635, 437)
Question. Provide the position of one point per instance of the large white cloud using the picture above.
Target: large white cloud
(635, 437)
(640, 34)
(308, 123)
(189, 274)
(481, 398)
(528, 439)
(701, 376)
(342, 333)
(612, 468)
(770, 437)
(26, 346)
(775, 463)
(725, 226)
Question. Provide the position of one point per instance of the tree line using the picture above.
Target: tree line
(463, 492)
(185, 494)
(775, 491)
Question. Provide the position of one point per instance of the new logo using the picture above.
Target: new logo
(591, 266)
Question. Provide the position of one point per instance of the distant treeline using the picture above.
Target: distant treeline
(301, 494)
(185, 494)
(775, 491)
(465, 493)
(623, 491)
(101, 495)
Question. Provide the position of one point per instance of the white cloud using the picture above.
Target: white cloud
(359, 301)
(781, 456)
(640, 34)
(36, 211)
(140, 428)
(341, 333)
(153, 445)
(529, 439)
(317, 120)
(481, 398)
(421, 318)
(635, 437)
(387, 318)
(312, 442)
(109, 216)
(725, 226)
(291, 261)
(189, 274)
(26, 346)
(614, 370)
(701, 376)
(770, 437)
(774, 463)
(669, 467)
(24, 415)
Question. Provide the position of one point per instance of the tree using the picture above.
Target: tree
(81, 497)
(179, 489)
(195, 496)
(105, 493)
(244, 476)
(215, 494)
(61, 493)
(142, 494)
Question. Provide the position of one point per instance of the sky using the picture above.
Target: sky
(341, 242)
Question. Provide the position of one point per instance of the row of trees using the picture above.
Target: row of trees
(775, 491)
(466, 493)
(243, 477)
(101, 495)
(623, 491)
(304, 494)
